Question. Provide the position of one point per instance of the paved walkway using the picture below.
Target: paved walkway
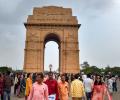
(116, 95)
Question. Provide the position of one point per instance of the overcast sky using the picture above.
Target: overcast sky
(99, 34)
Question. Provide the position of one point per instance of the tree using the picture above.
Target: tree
(114, 70)
(92, 70)
(4, 69)
(87, 69)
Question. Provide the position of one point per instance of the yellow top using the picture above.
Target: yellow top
(28, 86)
(77, 88)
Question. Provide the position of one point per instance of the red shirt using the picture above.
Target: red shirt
(52, 87)
(1, 85)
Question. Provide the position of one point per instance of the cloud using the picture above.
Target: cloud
(16, 11)
(98, 35)
(96, 8)
(96, 5)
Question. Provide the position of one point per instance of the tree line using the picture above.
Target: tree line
(86, 68)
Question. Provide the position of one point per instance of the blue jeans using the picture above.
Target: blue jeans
(88, 95)
(6, 95)
(114, 86)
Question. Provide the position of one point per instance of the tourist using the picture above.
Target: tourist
(114, 83)
(39, 89)
(110, 85)
(84, 77)
(99, 89)
(63, 88)
(15, 83)
(59, 79)
(66, 77)
(72, 77)
(52, 86)
(18, 85)
(77, 89)
(34, 77)
(22, 84)
(45, 78)
(8, 82)
(1, 85)
(28, 85)
(88, 84)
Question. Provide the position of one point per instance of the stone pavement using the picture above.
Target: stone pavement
(13, 97)
(116, 95)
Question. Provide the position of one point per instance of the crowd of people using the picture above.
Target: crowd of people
(6, 81)
(52, 86)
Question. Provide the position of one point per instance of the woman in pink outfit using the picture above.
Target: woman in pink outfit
(39, 90)
(99, 90)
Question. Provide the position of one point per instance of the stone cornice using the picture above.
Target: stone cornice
(65, 50)
(32, 49)
(47, 24)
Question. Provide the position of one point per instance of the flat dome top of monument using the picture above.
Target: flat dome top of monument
(52, 7)
(59, 7)
(52, 10)
(52, 14)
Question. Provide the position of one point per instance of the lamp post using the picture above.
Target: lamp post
(50, 67)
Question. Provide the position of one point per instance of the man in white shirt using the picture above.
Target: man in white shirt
(88, 84)
(110, 85)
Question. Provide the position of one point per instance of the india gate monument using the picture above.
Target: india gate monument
(57, 24)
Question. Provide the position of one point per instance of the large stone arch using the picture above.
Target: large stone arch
(57, 24)
(52, 37)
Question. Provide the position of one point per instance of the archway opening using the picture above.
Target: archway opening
(51, 53)
(51, 56)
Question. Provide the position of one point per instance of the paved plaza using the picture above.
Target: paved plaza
(116, 95)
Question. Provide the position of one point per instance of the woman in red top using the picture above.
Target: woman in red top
(99, 89)
(1, 86)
